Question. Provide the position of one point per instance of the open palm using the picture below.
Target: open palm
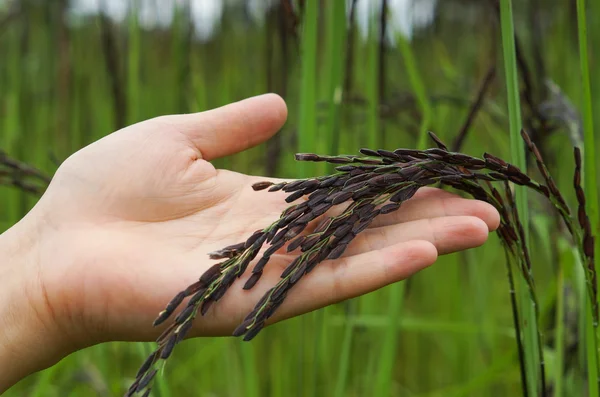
(130, 219)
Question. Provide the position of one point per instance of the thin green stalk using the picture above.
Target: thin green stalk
(336, 35)
(372, 83)
(560, 332)
(250, 373)
(531, 336)
(11, 125)
(307, 122)
(387, 359)
(342, 375)
(590, 179)
(133, 64)
(590, 187)
(517, 323)
(418, 88)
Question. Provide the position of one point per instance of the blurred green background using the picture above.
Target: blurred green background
(355, 73)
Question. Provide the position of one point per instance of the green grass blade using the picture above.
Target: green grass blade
(344, 361)
(590, 186)
(307, 123)
(560, 330)
(528, 318)
(372, 81)
(387, 359)
(418, 88)
(336, 36)
(133, 64)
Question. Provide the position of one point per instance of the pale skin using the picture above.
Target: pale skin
(127, 222)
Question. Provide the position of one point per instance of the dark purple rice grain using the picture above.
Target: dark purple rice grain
(277, 187)
(252, 239)
(184, 314)
(147, 364)
(342, 230)
(295, 230)
(261, 185)
(339, 160)
(219, 292)
(328, 182)
(294, 196)
(321, 209)
(309, 242)
(161, 318)
(297, 274)
(166, 332)
(290, 268)
(498, 176)
(588, 246)
(308, 157)
(388, 154)
(196, 297)
(318, 199)
(252, 332)
(260, 264)
(146, 380)
(386, 209)
(369, 152)
(363, 194)
(280, 290)
(295, 243)
(362, 225)
(211, 274)
(345, 168)
(278, 238)
(337, 251)
(347, 238)
(242, 328)
(251, 282)
(168, 348)
(206, 304)
(494, 161)
(307, 217)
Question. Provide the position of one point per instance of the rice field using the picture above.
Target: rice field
(355, 74)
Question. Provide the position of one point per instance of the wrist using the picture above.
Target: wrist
(28, 335)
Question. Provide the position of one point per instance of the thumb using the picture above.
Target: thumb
(234, 127)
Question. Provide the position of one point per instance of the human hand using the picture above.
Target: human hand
(128, 221)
